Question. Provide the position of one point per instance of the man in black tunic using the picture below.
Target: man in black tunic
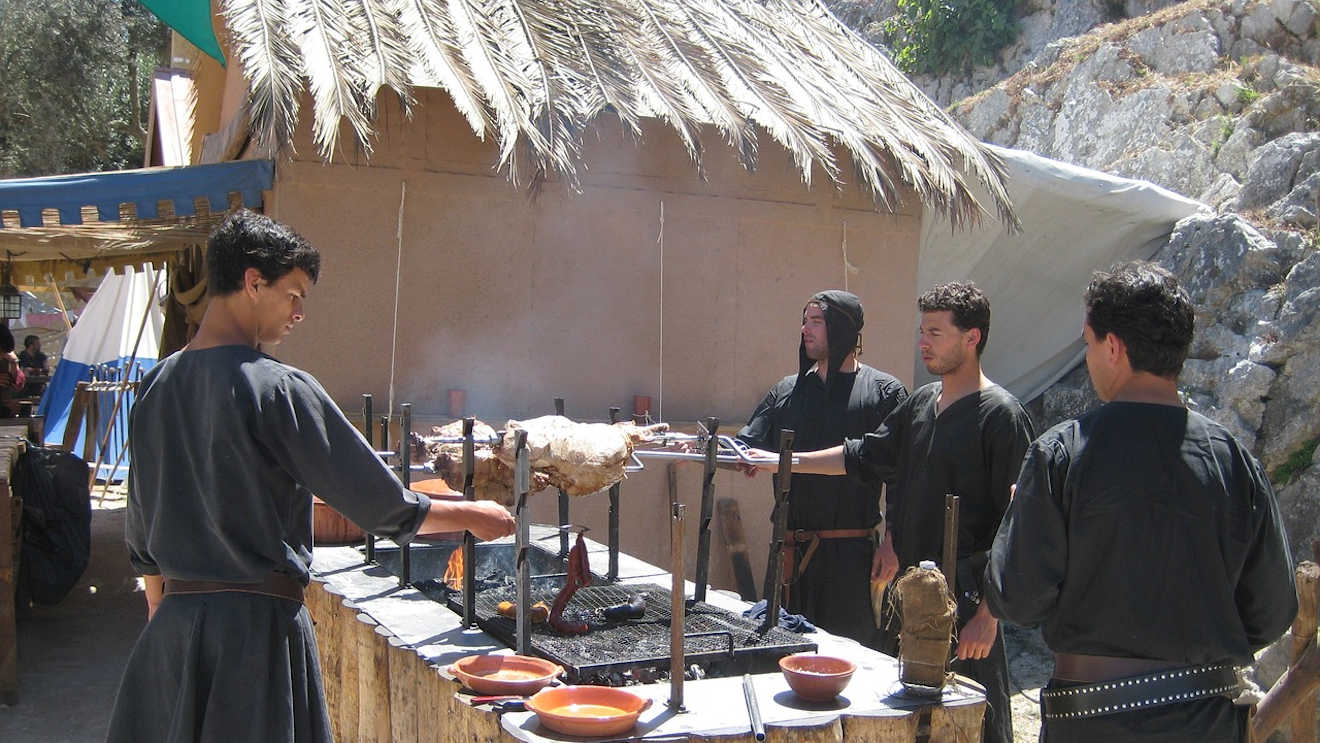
(228, 446)
(1144, 538)
(963, 435)
(831, 397)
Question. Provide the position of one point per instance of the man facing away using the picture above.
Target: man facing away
(831, 519)
(963, 435)
(1144, 538)
(228, 445)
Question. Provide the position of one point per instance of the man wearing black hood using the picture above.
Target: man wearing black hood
(832, 397)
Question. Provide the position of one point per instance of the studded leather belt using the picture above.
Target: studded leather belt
(277, 585)
(1155, 689)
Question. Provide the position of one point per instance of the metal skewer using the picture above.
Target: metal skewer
(469, 541)
(521, 481)
(613, 573)
(563, 496)
(366, 429)
(405, 475)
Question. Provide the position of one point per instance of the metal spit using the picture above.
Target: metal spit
(563, 496)
(707, 508)
(469, 541)
(613, 573)
(677, 611)
(521, 484)
(366, 429)
(775, 567)
(405, 475)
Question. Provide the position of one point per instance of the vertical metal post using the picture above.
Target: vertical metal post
(774, 570)
(613, 574)
(405, 475)
(521, 480)
(563, 497)
(707, 508)
(677, 613)
(469, 541)
(366, 430)
(950, 564)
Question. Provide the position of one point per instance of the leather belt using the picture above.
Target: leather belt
(1168, 686)
(1089, 668)
(793, 569)
(276, 585)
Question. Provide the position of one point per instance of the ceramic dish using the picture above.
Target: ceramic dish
(588, 711)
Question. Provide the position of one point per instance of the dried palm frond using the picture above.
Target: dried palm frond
(430, 35)
(271, 64)
(334, 71)
(535, 73)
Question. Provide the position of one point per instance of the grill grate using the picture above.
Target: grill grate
(613, 647)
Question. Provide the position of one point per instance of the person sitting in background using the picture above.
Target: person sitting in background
(31, 360)
(12, 378)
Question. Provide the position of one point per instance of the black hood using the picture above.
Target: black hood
(843, 326)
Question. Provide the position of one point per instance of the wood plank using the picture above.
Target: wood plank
(882, 728)
(77, 411)
(828, 732)
(346, 622)
(403, 665)
(731, 531)
(373, 680)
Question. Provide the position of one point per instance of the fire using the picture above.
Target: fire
(454, 570)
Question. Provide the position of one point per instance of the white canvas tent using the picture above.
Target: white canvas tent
(116, 339)
(1074, 221)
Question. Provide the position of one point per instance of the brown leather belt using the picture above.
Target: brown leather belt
(1089, 668)
(276, 585)
(793, 569)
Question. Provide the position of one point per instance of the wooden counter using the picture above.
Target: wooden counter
(384, 650)
(11, 445)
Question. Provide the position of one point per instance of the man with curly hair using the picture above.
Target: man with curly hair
(963, 435)
(1143, 538)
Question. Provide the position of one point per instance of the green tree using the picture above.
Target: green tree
(938, 36)
(74, 78)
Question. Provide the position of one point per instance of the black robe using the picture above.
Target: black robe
(973, 449)
(834, 590)
(228, 445)
(1145, 531)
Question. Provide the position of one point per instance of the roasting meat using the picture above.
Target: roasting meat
(491, 478)
(579, 458)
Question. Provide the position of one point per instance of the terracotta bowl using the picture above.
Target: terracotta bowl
(588, 711)
(816, 678)
(504, 674)
(330, 527)
(439, 490)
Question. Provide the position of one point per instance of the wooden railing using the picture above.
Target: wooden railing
(1293, 697)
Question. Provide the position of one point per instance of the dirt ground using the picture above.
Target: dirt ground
(70, 656)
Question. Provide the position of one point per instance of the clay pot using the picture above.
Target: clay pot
(588, 711)
(438, 490)
(816, 678)
(330, 527)
(505, 674)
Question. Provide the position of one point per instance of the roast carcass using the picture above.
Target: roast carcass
(579, 458)
(491, 478)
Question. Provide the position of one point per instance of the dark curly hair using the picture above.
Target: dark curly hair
(1143, 305)
(968, 304)
(246, 240)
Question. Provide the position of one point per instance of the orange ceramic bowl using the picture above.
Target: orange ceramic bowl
(816, 678)
(588, 711)
(505, 674)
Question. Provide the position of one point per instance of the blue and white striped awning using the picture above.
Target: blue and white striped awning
(145, 189)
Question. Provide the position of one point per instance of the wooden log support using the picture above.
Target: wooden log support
(830, 732)
(404, 666)
(956, 724)
(373, 681)
(345, 627)
(1293, 696)
(896, 728)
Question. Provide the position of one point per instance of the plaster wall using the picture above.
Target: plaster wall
(649, 281)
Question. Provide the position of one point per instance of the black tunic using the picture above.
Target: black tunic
(973, 449)
(228, 445)
(1145, 531)
(834, 590)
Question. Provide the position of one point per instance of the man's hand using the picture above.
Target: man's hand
(978, 635)
(884, 566)
(488, 520)
(770, 463)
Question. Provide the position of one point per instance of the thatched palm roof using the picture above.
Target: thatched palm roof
(532, 74)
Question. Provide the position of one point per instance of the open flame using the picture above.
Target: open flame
(454, 570)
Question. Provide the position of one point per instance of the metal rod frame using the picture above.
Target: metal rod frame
(405, 475)
(613, 573)
(775, 567)
(521, 481)
(469, 541)
(367, 422)
(707, 508)
(563, 496)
